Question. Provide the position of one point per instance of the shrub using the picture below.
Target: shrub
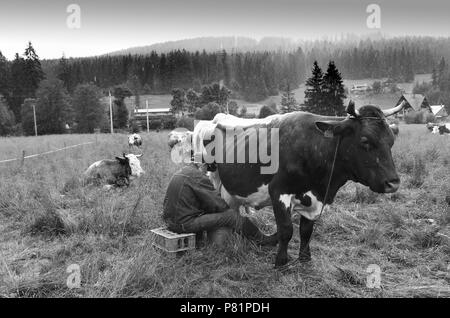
(185, 122)
(419, 117)
(169, 123)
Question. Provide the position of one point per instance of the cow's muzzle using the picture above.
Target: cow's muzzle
(392, 185)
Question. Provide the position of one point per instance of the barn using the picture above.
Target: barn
(414, 102)
(439, 112)
(155, 115)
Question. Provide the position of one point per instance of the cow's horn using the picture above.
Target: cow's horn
(392, 111)
(351, 110)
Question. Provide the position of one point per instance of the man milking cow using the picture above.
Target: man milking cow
(193, 205)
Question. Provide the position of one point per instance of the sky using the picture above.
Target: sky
(112, 25)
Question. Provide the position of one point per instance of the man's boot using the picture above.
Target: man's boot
(251, 231)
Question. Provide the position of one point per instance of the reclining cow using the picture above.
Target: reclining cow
(317, 156)
(115, 173)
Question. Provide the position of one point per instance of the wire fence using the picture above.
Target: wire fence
(45, 153)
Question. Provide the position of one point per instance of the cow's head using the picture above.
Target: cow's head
(131, 164)
(365, 146)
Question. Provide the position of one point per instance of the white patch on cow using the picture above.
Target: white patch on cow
(310, 212)
(93, 166)
(435, 130)
(135, 164)
(286, 200)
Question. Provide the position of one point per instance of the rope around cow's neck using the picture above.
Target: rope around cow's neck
(287, 266)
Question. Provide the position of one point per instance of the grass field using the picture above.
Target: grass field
(107, 233)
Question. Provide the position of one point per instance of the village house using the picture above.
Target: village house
(414, 102)
(439, 112)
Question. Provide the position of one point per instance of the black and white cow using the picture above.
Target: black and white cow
(134, 140)
(116, 172)
(307, 144)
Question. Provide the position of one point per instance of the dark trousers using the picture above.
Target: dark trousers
(212, 221)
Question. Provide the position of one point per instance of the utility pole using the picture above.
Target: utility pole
(146, 105)
(34, 116)
(110, 112)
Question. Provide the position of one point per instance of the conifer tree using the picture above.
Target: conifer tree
(313, 92)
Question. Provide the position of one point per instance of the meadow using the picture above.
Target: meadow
(48, 222)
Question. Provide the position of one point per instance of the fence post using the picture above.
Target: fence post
(23, 158)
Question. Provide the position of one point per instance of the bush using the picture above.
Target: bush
(185, 122)
(266, 111)
(419, 117)
(169, 123)
(154, 123)
(208, 111)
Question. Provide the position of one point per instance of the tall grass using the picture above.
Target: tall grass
(49, 221)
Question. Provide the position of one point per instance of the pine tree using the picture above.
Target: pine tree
(333, 92)
(17, 90)
(288, 102)
(4, 76)
(313, 92)
(63, 73)
(32, 70)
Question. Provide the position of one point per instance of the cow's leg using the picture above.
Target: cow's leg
(306, 229)
(284, 228)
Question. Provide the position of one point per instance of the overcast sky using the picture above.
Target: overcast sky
(112, 25)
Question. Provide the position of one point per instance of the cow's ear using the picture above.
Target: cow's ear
(122, 160)
(331, 129)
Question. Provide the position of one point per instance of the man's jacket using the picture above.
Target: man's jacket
(190, 194)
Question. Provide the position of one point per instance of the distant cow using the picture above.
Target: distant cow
(115, 172)
(178, 136)
(394, 128)
(134, 140)
(441, 129)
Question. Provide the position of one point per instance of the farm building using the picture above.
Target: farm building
(439, 112)
(155, 115)
(360, 88)
(414, 102)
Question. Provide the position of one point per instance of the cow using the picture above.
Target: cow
(317, 156)
(444, 129)
(134, 140)
(117, 172)
(395, 130)
(178, 136)
(441, 129)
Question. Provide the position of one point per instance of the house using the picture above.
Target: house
(153, 113)
(414, 102)
(360, 88)
(439, 112)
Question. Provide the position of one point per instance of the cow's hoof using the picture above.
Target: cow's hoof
(281, 261)
(304, 257)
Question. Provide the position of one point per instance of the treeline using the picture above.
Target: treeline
(252, 76)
